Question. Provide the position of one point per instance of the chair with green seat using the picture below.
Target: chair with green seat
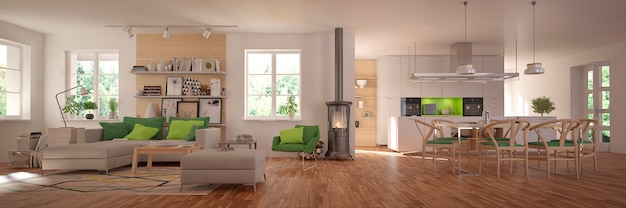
(555, 148)
(426, 133)
(301, 139)
(586, 142)
(454, 134)
(504, 149)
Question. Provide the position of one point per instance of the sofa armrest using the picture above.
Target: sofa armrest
(310, 147)
(209, 138)
(276, 141)
(89, 135)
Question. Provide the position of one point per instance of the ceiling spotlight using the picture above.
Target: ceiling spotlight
(128, 31)
(207, 33)
(166, 34)
(534, 68)
(466, 68)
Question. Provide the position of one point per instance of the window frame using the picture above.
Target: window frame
(23, 90)
(94, 93)
(274, 108)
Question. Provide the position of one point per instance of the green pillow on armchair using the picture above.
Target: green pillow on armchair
(310, 137)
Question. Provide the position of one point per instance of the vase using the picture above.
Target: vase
(161, 66)
(112, 115)
(151, 67)
(150, 112)
(89, 116)
(291, 116)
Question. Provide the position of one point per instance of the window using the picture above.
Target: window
(98, 72)
(271, 77)
(14, 80)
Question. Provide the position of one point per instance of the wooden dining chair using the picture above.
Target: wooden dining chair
(556, 148)
(587, 142)
(426, 132)
(454, 135)
(504, 149)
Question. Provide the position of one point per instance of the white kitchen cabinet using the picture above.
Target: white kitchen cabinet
(452, 89)
(493, 64)
(404, 135)
(388, 91)
(477, 62)
(408, 67)
(472, 89)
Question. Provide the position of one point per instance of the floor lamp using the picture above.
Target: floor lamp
(83, 91)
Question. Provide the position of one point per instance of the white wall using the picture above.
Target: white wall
(555, 83)
(55, 73)
(9, 129)
(317, 82)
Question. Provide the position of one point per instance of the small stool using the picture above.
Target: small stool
(245, 166)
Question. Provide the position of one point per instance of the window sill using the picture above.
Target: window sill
(95, 119)
(273, 119)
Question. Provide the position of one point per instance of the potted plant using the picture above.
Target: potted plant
(542, 105)
(113, 107)
(89, 106)
(70, 109)
(290, 108)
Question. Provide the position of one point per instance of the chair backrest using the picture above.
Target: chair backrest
(563, 126)
(588, 130)
(439, 129)
(513, 128)
(310, 131)
(425, 130)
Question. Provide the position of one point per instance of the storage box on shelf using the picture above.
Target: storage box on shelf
(19, 159)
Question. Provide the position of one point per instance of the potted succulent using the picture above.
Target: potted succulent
(113, 107)
(542, 105)
(70, 109)
(89, 106)
(290, 108)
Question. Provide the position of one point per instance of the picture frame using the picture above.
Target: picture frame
(187, 109)
(209, 65)
(212, 108)
(174, 85)
(169, 107)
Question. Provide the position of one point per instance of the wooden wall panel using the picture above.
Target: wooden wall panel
(365, 134)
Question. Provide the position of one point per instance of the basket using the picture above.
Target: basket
(19, 159)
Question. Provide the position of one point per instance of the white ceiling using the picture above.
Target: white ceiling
(381, 27)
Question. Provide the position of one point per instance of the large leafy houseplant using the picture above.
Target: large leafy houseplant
(290, 108)
(71, 106)
(543, 105)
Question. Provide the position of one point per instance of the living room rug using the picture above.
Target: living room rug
(156, 181)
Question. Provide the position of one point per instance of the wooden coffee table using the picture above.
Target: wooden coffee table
(150, 150)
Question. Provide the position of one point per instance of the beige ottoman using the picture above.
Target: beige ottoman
(210, 166)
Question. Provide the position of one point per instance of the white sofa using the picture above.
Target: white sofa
(92, 153)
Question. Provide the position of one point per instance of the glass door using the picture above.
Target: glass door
(598, 101)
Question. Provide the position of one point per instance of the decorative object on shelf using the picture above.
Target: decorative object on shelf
(244, 138)
(151, 91)
(212, 108)
(113, 108)
(210, 64)
(216, 87)
(82, 91)
(150, 111)
(90, 106)
(161, 66)
(543, 105)
(187, 109)
(151, 67)
(139, 68)
(169, 107)
(361, 83)
(366, 114)
(290, 108)
(191, 86)
(361, 103)
(174, 86)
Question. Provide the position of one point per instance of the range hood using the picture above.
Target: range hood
(461, 51)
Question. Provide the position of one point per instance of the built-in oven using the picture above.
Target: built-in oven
(410, 106)
(473, 106)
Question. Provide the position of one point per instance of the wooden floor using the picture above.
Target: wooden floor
(380, 178)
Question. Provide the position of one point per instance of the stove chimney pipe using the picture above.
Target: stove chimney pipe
(339, 64)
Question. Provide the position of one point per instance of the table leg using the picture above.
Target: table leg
(149, 165)
(133, 170)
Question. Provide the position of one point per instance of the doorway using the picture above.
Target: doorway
(592, 90)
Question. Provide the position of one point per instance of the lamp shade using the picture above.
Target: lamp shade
(150, 111)
(534, 68)
(465, 69)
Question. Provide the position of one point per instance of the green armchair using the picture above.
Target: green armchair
(310, 137)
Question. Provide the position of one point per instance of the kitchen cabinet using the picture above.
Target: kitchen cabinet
(388, 93)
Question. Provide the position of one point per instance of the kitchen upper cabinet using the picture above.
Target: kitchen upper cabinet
(389, 76)
(477, 62)
(472, 89)
(452, 89)
(493, 64)
(409, 65)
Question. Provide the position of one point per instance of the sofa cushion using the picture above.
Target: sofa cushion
(212, 159)
(149, 122)
(192, 133)
(97, 150)
(291, 136)
(203, 119)
(179, 129)
(141, 132)
(114, 130)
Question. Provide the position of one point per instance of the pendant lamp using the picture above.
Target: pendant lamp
(465, 68)
(534, 68)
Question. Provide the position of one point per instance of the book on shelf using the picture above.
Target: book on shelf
(139, 68)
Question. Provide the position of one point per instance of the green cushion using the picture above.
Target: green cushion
(500, 144)
(438, 141)
(497, 139)
(192, 133)
(551, 144)
(291, 136)
(204, 119)
(114, 130)
(179, 129)
(309, 132)
(148, 122)
(451, 138)
(141, 132)
(289, 147)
